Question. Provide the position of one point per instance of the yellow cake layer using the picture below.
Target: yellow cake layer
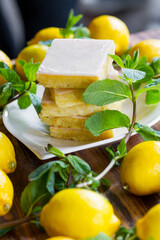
(78, 134)
(50, 109)
(67, 97)
(64, 122)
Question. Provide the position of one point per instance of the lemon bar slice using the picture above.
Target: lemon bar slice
(64, 122)
(50, 109)
(67, 97)
(75, 63)
(78, 134)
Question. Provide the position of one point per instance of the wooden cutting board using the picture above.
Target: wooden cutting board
(127, 207)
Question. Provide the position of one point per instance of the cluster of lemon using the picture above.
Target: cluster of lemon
(88, 212)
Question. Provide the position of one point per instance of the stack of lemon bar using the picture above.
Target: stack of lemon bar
(69, 67)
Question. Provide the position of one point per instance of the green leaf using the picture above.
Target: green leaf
(24, 101)
(125, 234)
(38, 172)
(110, 151)
(72, 20)
(117, 59)
(124, 55)
(78, 164)
(36, 101)
(33, 88)
(135, 59)
(12, 77)
(108, 119)
(51, 181)
(35, 193)
(5, 230)
(106, 182)
(128, 61)
(154, 85)
(122, 149)
(148, 70)
(46, 43)
(5, 93)
(3, 65)
(134, 75)
(55, 151)
(147, 133)
(106, 91)
(100, 236)
(64, 174)
(156, 65)
(152, 97)
(81, 32)
(142, 61)
(30, 69)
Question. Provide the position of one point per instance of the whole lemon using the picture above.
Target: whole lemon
(47, 34)
(110, 27)
(4, 58)
(7, 154)
(6, 193)
(149, 48)
(140, 169)
(37, 52)
(78, 213)
(148, 226)
(59, 238)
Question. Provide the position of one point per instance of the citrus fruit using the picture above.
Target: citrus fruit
(110, 27)
(140, 169)
(147, 227)
(149, 48)
(47, 34)
(4, 58)
(7, 154)
(6, 193)
(37, 52)
(59, 238)
(79, 214)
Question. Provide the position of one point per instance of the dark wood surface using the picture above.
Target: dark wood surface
(127, 206)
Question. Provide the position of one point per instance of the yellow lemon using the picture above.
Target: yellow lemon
(149, 48)
(47, 34)
(79, 214)
(37, 52)
(140, 169)
(4, 58)
(110, 27)
(6, 193)
(59, 238)
(148, 226)
(7, 154)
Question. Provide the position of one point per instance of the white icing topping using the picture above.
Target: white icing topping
(79, 57)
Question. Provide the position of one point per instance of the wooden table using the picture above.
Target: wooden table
(127, 206)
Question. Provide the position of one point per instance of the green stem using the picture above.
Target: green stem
(113, 161)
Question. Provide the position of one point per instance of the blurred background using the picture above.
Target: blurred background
(21, 19)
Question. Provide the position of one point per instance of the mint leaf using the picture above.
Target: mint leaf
(35, 193)
(81, 32)
(72, 20)
(148, 70)
(122, 148)
(30, 69)
(106, 91)
(38, 172)
(6, 91)
(12, 77)
(5, 230)
(50, 181)
(100, 236)
(110, 151)
(36, 101)
(117, 59)
(156, 65)
(147, 133)
(46, 43)
(154, 85)
(142, 61)
(108, 119)
(124, 233)
(128, 61)
(55, 151)
(3, 65)
(132, 74)
(152, 97)
(78, 164)
(24, 101)
(124, 55)
(135, 59)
